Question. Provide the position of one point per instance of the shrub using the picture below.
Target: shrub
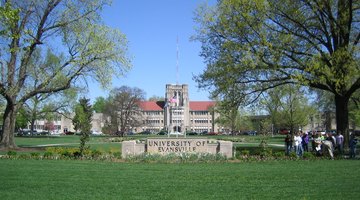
(11, 153)
(48, 154)
(96, 153)
(279, 155)
(117, 154)
(245, 153)
(35, 155)
(24, 156)
(113, 150)
(68, 152)
(176, 158)
(54, 150)
(115, 139)
(308, 155)
(263, 152)
(293, 155)
(267, 152)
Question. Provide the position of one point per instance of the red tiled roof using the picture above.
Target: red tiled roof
(159, 105)
(151, 105)
(201, 105)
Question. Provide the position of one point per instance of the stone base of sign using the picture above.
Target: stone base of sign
(165, 146)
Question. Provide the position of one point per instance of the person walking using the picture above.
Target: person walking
(305, 141)
(329, 144)
(318, 144)
(298, 145)
(328, 147)
(352, 145)
(340, 143)
(288, 144)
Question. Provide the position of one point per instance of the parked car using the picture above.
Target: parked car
(55, 132)
(191, 133)
(27, 132)
(284, 131)
(251, 132)
(162, 132)
(145, 133)
(213, 133)
(23, 132)
(96, 132)
(176, 133)
(130, 133)
(69, 133)
(204, 133)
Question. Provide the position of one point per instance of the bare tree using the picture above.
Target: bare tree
(122, 109)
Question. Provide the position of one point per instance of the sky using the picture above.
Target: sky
(159, 34)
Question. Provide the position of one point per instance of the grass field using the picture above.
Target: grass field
(103, 142)
(76, 179)
(59, 179)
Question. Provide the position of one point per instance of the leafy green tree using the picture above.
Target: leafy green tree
(355, 110)
(271, 103)
(228, 116)
(244, 122)
(228, 104)
(82, 121)
(50, 105)
(288, 107)
(326, 107)
(22, 119)
(99, 104)
(50, 46)
(267, 43)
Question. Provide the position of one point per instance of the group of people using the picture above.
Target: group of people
(300, 143)
(321, 144)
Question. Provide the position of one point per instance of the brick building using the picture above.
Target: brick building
(177, 113)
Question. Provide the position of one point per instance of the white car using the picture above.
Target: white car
(176, 133)
(96, 133)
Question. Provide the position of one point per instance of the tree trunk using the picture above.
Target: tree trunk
(32, 126)
(342, 117)
(7, 138)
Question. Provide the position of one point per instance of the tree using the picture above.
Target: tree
(156, 98)
(50, 105)
(325, 104)
(22, 119)
(354, 109)
(82, 121)
(50, 46)
(228, 117)
(264, 44)
(244, 122)
(123, 109)
(288, 107)
(99, 104)
(229, 113)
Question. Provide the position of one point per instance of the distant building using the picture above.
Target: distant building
(175, 114)
(178, 114)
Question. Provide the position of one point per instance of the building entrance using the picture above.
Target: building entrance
(177, 129)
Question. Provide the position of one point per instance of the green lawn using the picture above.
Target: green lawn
(71, 179)
(100, 143)
(70, 139)
(103, 143)
(55, 140)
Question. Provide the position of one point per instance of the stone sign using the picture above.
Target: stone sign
(176, 145)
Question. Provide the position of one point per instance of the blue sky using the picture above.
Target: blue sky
(152, 28)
